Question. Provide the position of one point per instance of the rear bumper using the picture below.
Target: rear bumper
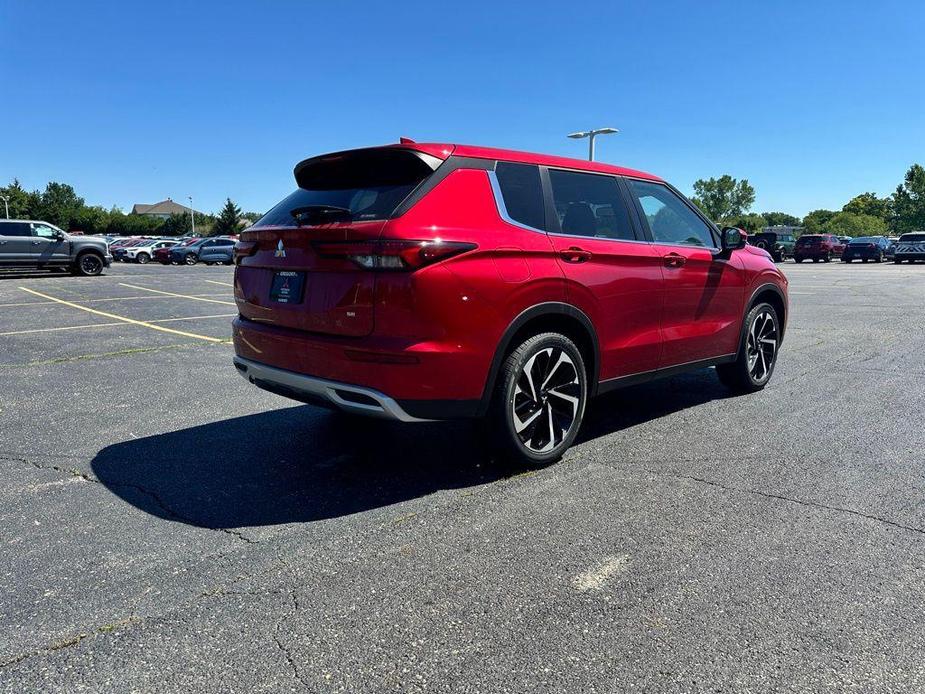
(320, 391)
(910, 256)
(434, 381)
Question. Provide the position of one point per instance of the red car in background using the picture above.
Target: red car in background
(818, 247)
(433, 281)
(162, 255)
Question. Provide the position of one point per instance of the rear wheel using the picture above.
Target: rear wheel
(797, 260)
(757, 353)
(539, 400)
(191, 259)
(143, 258)
(897, 261)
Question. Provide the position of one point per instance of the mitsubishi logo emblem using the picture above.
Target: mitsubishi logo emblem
(280, 251)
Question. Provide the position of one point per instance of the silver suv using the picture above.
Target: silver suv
(28, 244)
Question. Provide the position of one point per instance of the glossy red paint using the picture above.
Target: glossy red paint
(440, 330)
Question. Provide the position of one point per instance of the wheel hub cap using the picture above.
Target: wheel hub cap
(761, 346)
(546, 401)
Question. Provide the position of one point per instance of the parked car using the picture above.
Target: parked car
(779, 245)
(910, 247)
(162, 255)
(418, 282)
(866, 248)
(27, 243)
(208, 250)
(143, 252)
(817, 247)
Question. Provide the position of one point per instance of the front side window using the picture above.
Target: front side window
(522, 193)
(590, 205)
(44, 231)
(670, 219)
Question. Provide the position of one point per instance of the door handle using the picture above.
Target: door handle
(674, 260)
(35, 243)
(574, 254)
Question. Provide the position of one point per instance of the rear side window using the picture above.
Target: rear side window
(522, 193)
(15, 229)
(590, 205)
(669, 217)
(912, 238)
(360, 185)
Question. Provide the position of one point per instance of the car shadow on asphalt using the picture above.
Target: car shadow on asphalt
(303, 464)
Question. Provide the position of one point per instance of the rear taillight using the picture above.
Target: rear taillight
(242, 249)
(392, 255)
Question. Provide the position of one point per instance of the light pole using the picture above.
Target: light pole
(590, 135)
(6, 204)
(192, 217)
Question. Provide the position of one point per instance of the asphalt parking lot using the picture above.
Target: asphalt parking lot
(166, 526)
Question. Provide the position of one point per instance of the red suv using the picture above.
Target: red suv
(817, 247)
(434, 281)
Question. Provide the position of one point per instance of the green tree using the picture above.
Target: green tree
(850, 224)
(90, 220)
(227, 221)
(816, 220)
(870, 204)
(22, 203)
(724, 197)
(909, 201)
(176, 225)
(777, 218)
(59, 204)
(752, 223)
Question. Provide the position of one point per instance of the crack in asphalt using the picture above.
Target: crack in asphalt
(154, 496)
(71, 641)
(789, 499)
(294, 598)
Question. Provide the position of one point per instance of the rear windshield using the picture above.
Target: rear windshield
(809, 240)
(360, 185)
(863, 240)
(907, 238)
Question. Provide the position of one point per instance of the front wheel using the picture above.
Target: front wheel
(757, 353)
(191, 259)
(896, 261)
(88, 265)
(539, 400)
(143, 258)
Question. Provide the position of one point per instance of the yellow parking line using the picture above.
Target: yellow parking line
(142, 323)
(109, 325)
(181, 296)
(224, 284)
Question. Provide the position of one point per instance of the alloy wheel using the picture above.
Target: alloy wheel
(547, 400)
(90, 264)
(761, 346)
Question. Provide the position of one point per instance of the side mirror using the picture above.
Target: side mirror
(733, 239)
(59, 235)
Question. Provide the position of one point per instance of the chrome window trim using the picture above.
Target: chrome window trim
(598, 238)
(502, 208)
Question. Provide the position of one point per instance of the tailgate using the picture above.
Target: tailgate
(325, 295)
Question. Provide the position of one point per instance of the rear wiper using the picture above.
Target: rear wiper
(318, 212)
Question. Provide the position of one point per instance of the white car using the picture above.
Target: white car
(143, 254)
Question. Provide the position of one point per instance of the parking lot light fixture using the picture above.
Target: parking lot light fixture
(6, 204)
(591, 134)
(192, 217)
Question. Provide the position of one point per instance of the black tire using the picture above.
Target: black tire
(798, 260)
(846, 260)
(879, 258)
(164, 262)
(536, 425)
(191, 259)
(896, 261)
(143, 258)
(816, 260)
(827, 258)
(88, 264)
(864, 260)
(745, 375)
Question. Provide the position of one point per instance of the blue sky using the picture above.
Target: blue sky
(813, 102)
